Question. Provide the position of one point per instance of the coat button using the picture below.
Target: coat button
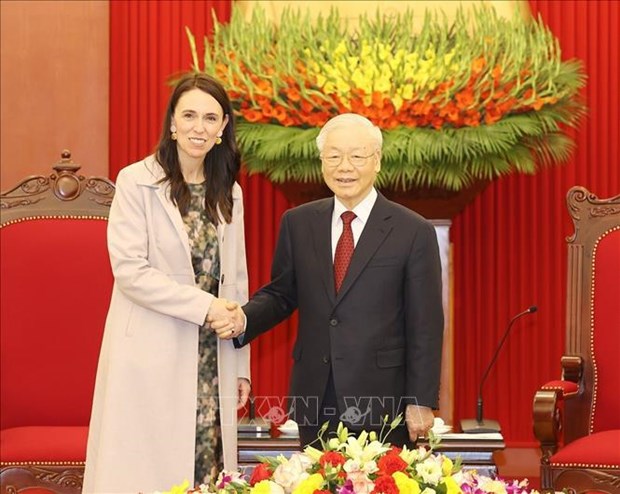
(325, 359)
(333, 322)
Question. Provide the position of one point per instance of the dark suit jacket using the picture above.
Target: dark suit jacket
(381, 335)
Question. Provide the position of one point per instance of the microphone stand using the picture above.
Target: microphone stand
(479, 425)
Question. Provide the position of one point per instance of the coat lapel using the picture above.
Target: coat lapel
(162, 192)
(376, 230)
(322, 238)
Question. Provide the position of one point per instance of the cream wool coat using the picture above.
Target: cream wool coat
(143, 422)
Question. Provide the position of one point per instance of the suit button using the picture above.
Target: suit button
(325, 359)
(333, 322)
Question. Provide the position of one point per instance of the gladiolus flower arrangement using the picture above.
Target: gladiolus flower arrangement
(470, 100)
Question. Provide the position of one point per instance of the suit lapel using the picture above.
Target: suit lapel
(376, 230)
(322, 238)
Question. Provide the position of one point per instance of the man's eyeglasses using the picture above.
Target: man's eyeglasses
(333, 160)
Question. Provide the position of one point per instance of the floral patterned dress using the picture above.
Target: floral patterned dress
(206, 262)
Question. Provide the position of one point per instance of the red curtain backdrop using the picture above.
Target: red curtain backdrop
(509, 250)
(509, 247)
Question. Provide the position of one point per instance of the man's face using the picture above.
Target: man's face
(350, 161)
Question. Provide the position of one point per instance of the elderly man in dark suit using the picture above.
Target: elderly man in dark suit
(365, 275)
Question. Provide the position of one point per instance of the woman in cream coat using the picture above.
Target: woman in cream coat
(143, 425)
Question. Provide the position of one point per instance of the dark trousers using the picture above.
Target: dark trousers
(328, 412)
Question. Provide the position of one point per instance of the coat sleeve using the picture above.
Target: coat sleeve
(243, 356)
(278, 299)
(129, 256)
(424, 318)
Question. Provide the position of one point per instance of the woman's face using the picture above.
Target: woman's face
(198, 120)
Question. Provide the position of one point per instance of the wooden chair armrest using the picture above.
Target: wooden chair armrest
(572, 368)
(547, 416)
(548, 405)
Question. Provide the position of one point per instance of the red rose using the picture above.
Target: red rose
(332, 458)
(321, 491)
(391, 463)
(385, 485)
(261, 472)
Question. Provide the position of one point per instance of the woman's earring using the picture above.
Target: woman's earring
(218, 140)
(173, 135)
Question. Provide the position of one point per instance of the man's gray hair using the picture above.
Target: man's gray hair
(347, 119)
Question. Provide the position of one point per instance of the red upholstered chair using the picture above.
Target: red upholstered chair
(56, 283)
(577, 418)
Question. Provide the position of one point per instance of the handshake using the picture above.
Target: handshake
(226, 318)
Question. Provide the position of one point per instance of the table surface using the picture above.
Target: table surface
(474, 450)
(449, 442)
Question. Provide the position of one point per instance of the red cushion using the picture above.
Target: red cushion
(567, 387)
(606, 337)
(601, 449)
(55, 284)
(43, 444)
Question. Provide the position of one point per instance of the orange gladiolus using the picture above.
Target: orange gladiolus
(306, 106)
(422, 107)
(437, 122)
(278, 113)
(390, 124)
(377, 99)
(478, 64)
(472, 118)
(496, 73)
(465, 98)
(292, 93)
(450, 112)
(500, 93)
(251, 115)
(491, 114)
(507, 105)
(388, 108)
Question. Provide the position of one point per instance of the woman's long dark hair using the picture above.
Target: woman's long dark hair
(221, 164)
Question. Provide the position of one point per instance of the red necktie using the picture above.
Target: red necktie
(344, 249)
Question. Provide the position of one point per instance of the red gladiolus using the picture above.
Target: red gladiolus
(261, 472)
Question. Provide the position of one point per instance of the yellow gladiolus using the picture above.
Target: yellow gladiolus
(342, 86)
(397, 101)
(383, 84)
(407, 91)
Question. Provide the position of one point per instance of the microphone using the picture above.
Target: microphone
(479, 425)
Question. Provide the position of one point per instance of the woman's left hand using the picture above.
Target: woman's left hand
(244, 387)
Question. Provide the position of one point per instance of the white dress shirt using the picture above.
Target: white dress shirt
(362, 212)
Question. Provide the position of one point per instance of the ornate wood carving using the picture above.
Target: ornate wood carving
(57, 478)
(55, 194)
(580, 200)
